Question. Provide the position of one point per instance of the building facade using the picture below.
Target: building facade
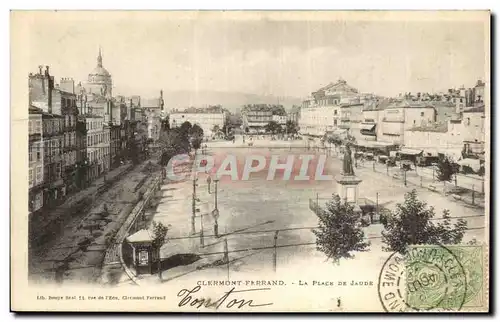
(35, 162)
(53, 140)
(454, 138)
(255, 118)
(207, 119)
(330, 109)
(98, 146)
(388, 121)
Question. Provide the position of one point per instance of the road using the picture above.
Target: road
(78, 249)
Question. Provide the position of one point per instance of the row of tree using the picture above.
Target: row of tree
(340, 231)
(179, 140)
(274, 127)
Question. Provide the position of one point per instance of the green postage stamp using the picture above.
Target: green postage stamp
(435, 278)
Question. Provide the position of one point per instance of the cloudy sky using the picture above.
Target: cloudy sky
(146, 52)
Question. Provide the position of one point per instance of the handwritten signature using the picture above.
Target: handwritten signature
(187, 299)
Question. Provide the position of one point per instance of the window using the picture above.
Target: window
(31, 177)
(39, 173)
(414, 122)
(335, 122)
(421, 113)
(58, 170)
(38, 153)
(30, 126)
(38, 126)
(30, 153)
(334, 112)
(468, 121)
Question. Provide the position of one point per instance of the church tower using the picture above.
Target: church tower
(99, 80)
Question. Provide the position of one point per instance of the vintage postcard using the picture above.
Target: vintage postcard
(257, 161)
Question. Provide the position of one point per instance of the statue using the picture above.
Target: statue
(347, 168)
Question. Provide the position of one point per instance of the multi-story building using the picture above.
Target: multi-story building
(59, 123)
(154, 110)
(453, 138)
(280, 119)
(98, 150)
(36, 165)
(479, 92)
(294, 115)
(64, 104)
(82, 164)
(389, 123)
(328, 109)
(256, 117)
(206, 118)
(53, 142)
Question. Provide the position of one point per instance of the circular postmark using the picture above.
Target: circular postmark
(426, 278)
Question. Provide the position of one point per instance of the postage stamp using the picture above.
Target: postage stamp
(433, 278)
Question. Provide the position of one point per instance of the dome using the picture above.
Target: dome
(100, 71)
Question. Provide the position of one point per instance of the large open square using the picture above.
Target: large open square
(252, 211)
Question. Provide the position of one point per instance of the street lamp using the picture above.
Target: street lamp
(209, 182)
(215, 212)
(193, 228)
(215, 215)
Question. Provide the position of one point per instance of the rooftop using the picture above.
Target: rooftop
(435, 127)
(409, 104)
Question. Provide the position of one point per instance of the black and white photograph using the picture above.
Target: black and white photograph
(250, 161)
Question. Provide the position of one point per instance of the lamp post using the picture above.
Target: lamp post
(215, 212)
(193, 215)
(209, 183)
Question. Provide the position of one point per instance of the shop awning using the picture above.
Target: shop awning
(367, 126)
(410, 151)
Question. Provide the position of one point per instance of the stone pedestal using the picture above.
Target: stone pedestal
(348, 189)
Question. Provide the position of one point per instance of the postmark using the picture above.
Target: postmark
(427, 278)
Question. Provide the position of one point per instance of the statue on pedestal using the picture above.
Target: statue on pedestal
(347, 169)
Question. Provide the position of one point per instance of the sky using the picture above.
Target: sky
(146, 52)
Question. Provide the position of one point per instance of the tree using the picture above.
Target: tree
(291, 127)
(446, 169)
(339, 232)
(411, 224)
(185, 129)
(215, 129)
(196, 131)
(172, 143)
(196, 143)
(273, 127)
(165, 124)
(159, 238)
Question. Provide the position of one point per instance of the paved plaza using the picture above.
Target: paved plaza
(252, 211)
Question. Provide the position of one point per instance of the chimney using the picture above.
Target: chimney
(47, 71)
(40, 69)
